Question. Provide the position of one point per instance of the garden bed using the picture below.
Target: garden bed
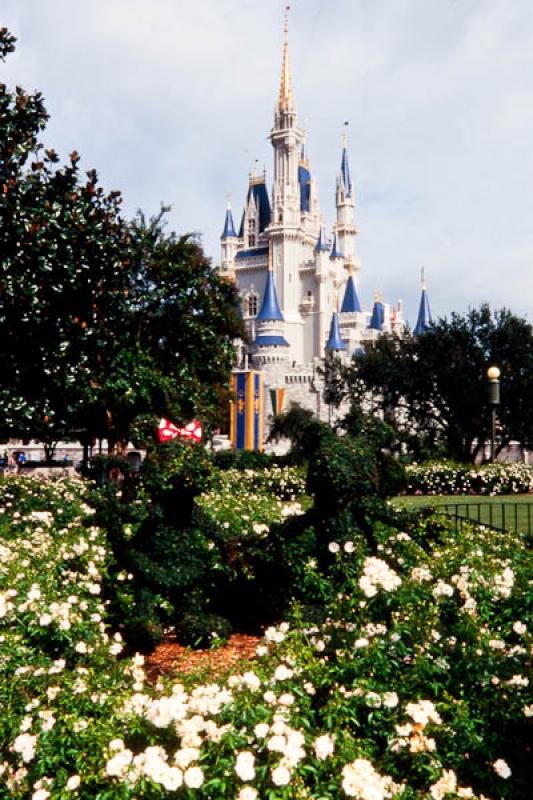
(416, 684)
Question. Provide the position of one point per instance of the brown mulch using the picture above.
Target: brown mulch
(172, 659)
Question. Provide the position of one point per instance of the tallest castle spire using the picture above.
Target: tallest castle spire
(286, 102)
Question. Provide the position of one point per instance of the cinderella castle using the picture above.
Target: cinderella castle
(299, 283)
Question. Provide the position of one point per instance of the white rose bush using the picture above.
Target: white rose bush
(447, 477)
(245, 503)
(415, 683)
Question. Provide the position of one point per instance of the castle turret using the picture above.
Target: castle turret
(322, 280)
(346, 229)
(229, 244)
(291, 203)
(350, 303)
(336, 252)
(424, 320)
(322, 244)
(270, 345)
(378, 315)
(335, 342)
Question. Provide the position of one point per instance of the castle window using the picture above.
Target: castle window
(252, 305)
(251, 233)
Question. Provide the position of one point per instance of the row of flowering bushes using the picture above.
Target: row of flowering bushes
(414, 685)
(446, 477)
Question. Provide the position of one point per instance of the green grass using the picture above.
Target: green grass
(508, 512)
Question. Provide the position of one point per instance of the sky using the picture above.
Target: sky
(172, 101)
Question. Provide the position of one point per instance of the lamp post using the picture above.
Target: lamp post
(493, 374)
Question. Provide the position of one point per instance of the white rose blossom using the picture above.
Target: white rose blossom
(244, 766)
(501, 768)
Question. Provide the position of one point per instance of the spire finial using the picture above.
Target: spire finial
(228, 201)
(345, 135)
(423, 279)
(270, 265)
(285, 94)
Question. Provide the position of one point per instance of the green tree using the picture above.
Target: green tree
(104, 323)
(435, 386)
(171, 348)
(63, 267)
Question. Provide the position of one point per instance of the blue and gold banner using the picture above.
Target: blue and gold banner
(246, 428)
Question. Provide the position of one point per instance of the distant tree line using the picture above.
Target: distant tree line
(105, 323)
(433, 389)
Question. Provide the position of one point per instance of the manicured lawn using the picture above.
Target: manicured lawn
(508, 512)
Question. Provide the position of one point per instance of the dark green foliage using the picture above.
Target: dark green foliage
(434, 390)
(140, 624)
(302, 428)
(348, 476)
(184, 564)
(257, 580)
(172, 349)
(202, 630)
(160, 537)
(106, 325)
(242, 459)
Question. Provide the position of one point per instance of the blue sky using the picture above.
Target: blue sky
(172, 101)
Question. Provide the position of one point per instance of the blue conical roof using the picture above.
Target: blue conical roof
(321, 245)
(229, 227)
(345, 173)
(335, 341)
(424, 320)
(351, 303)
(335, 252)
(378, 316)
(270, 309)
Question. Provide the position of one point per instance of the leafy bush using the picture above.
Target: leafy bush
(196, 538)
(242, 459)
(447, 477)
(162, 539)
(414, 686)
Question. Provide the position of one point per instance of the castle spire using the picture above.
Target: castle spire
(286, 102)
(229, 227)
(425, 319)
(350, 303)
(345, 167)
(335, 251)
(321, 245)
(270, 310)
(335, 341)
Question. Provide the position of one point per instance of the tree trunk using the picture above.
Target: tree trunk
(49, 450)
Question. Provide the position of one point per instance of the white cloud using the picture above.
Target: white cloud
(173, 101)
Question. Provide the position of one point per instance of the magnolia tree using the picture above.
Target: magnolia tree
(104, 322)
